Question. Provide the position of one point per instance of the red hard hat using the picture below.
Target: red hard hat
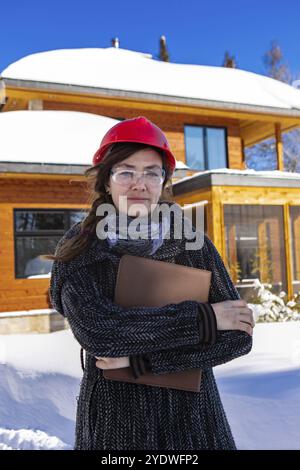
(138, 129)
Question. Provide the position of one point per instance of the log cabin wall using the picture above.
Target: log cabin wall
(171, 123)
(30, 192)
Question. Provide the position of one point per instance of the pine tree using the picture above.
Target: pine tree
(229, 61)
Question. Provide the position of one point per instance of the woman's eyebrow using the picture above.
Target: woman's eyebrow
(133, 166)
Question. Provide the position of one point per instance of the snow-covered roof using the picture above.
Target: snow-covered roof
(232, 177)
(57, 137)
(181, 165)
(51, 136)
(121, 69)
(243, 173)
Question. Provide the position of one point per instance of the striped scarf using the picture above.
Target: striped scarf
(142, 238)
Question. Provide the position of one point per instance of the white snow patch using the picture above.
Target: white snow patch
(27, 439)
(41, 373)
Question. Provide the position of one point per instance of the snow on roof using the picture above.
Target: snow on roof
(59, 137)
(245, 173)
(123, 69)
(181, 165)
(51, 136)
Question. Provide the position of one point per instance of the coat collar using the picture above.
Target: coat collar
(99, 250)
(170, 248)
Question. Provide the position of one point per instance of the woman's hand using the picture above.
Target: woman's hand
(234, 315)
(112, 362)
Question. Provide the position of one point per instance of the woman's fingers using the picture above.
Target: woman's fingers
(245, 323)
(234, 315)
(240, 303)
(247, 313)
(103, 364)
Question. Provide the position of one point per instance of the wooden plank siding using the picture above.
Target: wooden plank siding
(29, 193)
(253, 126)
(171, 124)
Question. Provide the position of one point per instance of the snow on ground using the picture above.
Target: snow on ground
(41, 373)
(40, 378)
(261, 391)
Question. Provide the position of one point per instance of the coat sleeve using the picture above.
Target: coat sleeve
(105, 329)
(229, 344)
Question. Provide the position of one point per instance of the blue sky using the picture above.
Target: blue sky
(197, 32)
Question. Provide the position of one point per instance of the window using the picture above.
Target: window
(37, 232)
(295, 245)
(255, 246)
(205, 147)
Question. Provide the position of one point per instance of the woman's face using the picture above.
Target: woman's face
(140, 194)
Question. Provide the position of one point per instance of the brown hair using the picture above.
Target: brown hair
(97, 180)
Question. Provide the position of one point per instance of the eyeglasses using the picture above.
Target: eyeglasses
(126, 177)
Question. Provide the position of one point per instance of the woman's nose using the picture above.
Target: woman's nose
(139, 182)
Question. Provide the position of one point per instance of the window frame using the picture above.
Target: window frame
(36, 233)
(205, 145)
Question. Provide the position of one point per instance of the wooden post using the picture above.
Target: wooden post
(288, 251)
(243, 165)
(279, 149)
(217, 220)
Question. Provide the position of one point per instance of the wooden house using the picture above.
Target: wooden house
(209, 115)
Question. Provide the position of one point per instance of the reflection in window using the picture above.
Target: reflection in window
(295, 246)
(38, 232)
(205, 147)
(255, 248)
(30, 221)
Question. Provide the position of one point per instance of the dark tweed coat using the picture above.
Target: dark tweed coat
(126, 416)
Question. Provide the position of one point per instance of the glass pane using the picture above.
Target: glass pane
(28, 221)
(204, 228)
(77, 216)
(28, 250)
(216, 146)
(262, 156)
(295, 244)
(202, 217)
(194, 147)
(255, 246)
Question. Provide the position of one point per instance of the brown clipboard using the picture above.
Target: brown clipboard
(147, 282)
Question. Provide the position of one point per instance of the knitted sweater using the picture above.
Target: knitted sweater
(115, 415)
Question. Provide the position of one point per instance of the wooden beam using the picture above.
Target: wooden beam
(23, 93)
(256, 132)
(279, 148)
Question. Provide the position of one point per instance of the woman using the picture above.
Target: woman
(117, 415)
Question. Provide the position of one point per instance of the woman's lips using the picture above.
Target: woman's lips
(137, 199)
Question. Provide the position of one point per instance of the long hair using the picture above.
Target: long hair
(97, 181)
